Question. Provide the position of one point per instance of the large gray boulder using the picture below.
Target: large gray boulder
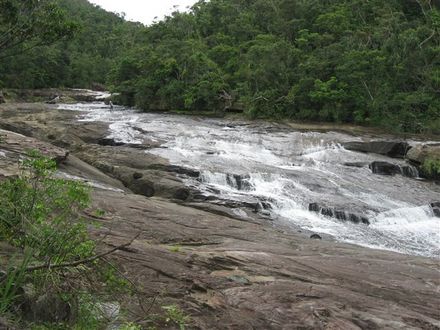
(395, 149)
(385, 168)
(420, 153)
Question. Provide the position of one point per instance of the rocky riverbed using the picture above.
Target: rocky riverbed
(228, 262)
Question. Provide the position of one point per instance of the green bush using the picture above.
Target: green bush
(431, 167)
(40, 219)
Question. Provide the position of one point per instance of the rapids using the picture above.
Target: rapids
(286, 171)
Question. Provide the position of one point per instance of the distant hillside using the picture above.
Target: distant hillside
(369, 62)
(81, 62)
(366, 62)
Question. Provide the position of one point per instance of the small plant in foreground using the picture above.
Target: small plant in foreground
(130, 326)
(40, 217)
(175, 315)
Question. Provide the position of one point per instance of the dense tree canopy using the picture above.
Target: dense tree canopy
(368, 62)
(31, 22)
(79, 57)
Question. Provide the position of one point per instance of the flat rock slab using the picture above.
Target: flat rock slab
(14, 146)
(224, 272)
(231, 274)
(396, 149)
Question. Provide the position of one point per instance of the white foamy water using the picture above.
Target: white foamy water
(289, 170)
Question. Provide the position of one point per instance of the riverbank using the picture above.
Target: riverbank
(223, 271)
(82, 95)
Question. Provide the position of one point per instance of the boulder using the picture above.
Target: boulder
(420, 153)
(338, 214)
(151, 183)
(395, 149)
(436, 209)
(182, 194)
(110, 142)
(315, 236)
(137, 175)
(141, 186)
(239, 182)
(178, 170)
(385, 168)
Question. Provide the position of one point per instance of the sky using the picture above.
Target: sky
(144, 11)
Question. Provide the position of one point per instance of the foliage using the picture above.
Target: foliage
(31, 23)
(175, 315)
(9, 283)
(366, 62)
(74, 52)
(40, 219)
(431, 167)
(130, 326)
(40, 212)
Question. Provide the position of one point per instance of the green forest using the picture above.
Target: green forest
(374, 63)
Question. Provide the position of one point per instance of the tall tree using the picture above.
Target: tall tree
(26, 24)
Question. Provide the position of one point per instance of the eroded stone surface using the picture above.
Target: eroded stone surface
(14, 147)
(228, 273)
(287, 280)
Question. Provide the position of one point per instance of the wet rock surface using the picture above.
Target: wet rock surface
(436, 209)
(395, 149)
(347, 287)
(385, 168)
(230, 272)
(338, 214)
(422, 152)
(356, 164)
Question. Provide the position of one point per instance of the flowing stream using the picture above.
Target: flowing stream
(286, 171)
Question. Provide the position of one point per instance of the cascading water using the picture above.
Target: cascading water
(292, 173)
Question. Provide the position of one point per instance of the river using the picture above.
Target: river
(286, 171)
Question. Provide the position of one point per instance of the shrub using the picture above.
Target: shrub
(56, 258)
(431, 167)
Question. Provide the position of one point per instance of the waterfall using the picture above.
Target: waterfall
(288, 172)
(409, 171)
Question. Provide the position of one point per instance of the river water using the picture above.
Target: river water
(286, 171)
